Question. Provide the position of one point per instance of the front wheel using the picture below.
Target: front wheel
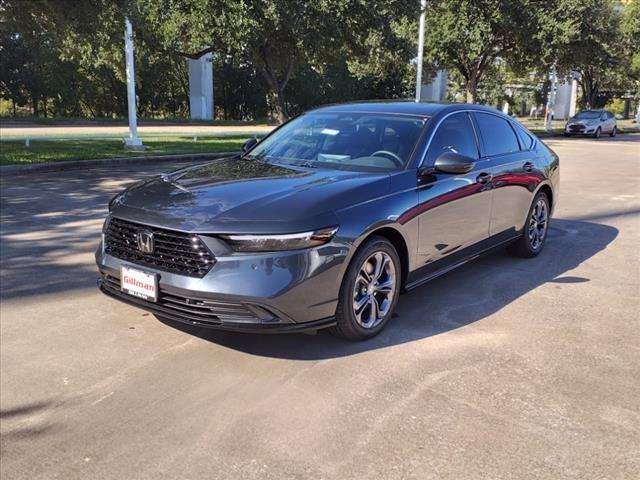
(613, 132)
(597, 133)
(369, 291)
(535, 229)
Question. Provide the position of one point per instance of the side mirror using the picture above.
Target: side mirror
(451, 162)
(249, 144)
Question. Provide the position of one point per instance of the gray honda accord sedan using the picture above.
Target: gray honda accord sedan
(325, 221)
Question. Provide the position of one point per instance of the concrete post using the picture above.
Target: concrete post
(436, 90)
(133, 142)
(201, 87)
(574, 97)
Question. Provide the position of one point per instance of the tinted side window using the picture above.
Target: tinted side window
(526, 141)
(455, 134)
(497, 134)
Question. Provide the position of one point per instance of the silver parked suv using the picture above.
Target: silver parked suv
(592, 122)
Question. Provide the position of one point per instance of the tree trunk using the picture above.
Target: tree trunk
(590, 89)
(281, 106)
(34, 102)
(472, 89)
(277, 84)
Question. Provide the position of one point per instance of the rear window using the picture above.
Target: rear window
(497, 134)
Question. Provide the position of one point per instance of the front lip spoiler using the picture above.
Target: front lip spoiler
(249, 328)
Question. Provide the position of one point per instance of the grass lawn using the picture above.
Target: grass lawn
(16, 153)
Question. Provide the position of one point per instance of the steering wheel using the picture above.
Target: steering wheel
(392, 156)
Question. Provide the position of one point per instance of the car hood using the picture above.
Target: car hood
(246, 196)
(582, 121)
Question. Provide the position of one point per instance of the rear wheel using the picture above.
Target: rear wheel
(369, 291)
(613, 132)
(597, 133)
(535, 229)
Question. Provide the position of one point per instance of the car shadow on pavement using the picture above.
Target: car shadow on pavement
(465, 296)
(50, 226)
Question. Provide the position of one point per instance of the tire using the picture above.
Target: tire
(358, 323)
(613, 132)
(532, 242)
(597, 133)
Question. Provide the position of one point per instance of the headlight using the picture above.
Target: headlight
(105, 225)
(270, 243)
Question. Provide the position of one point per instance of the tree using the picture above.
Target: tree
(592, 47)
(630, 29)
(277, 37)
(469, 36)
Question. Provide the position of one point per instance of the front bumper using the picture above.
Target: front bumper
(271, 292)
(580, 129)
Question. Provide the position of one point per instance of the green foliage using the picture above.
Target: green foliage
(593, 48)
(630, 29)
(470, 36)
(615, 106)
(66, 57)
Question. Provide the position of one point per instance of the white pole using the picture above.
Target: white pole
(551, 100)
(133, 142)
(638, 115)
(423, 9)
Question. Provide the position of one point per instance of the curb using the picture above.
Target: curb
(107, 162)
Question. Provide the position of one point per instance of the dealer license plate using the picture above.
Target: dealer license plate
(139, 284)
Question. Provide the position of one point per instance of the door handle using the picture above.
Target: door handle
(484, 177)
(527, 167)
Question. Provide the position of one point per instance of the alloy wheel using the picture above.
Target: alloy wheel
(538, 224)
(374, 290)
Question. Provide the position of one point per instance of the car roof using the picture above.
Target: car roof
(408, 107)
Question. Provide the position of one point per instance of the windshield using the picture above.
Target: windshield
(346, 141)
(588, 114)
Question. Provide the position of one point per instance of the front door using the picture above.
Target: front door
(454, 208)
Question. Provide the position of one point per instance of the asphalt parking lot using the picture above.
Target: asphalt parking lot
(506, 368)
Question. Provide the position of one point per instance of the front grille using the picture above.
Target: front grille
(193, 310)
(174, 252)
(576, 128)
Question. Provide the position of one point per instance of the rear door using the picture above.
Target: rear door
(512, 159)
(454, 208)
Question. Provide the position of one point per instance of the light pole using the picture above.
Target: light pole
(551, 100)
(133, 142)
(423, 10)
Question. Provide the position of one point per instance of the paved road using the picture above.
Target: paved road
(506, 368)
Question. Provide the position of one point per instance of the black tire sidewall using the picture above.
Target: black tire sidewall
(597, 133)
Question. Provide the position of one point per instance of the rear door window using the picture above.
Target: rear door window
(497, 134)
(526, 140)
